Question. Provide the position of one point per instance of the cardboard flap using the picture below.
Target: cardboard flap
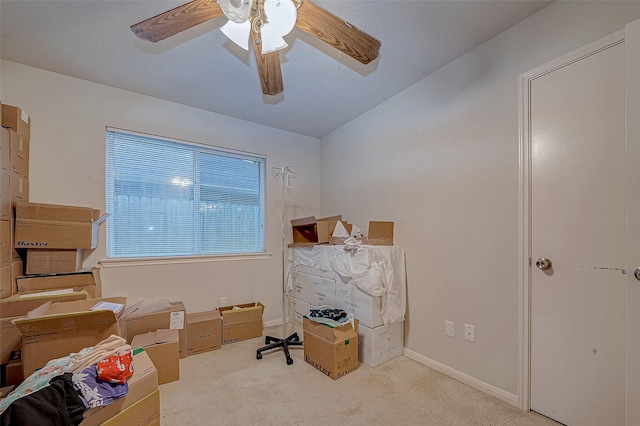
(167, 336)
(144, 340)
(304, 221)
(380, 233)
(16, 305)
(83, 305)
(331, 334)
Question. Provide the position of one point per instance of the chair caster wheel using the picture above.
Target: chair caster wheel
(267, 340)
(258, 355)
(289, 361)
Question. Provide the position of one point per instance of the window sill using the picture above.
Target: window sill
(153, 261)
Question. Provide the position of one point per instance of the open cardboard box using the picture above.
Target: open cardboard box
(331, 350)
(308, 231)
(380, 234)
(164, 350)
(55, 330)
(88, 281)
(173, 318)
(244, 322)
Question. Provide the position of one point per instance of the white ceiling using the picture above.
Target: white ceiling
(323, 89)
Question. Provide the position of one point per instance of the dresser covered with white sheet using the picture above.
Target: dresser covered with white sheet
(367, 281)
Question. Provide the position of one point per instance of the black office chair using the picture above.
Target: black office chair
(274, 342)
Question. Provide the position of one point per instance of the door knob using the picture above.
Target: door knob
(636, 274)
(543, 264)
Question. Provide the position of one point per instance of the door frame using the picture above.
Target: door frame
(524, 204)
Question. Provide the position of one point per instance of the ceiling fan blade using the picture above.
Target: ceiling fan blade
(177, 20)
(268, 67)
(337, 32)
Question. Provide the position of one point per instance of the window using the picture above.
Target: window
(170, 198)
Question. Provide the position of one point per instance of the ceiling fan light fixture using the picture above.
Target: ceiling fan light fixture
(237, 11)
(237, 33)
(281, 18)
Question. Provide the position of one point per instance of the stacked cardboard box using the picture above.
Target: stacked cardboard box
(15, 136)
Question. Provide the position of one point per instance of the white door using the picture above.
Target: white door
(578, 222)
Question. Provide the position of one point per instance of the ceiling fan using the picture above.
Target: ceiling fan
(264, 22)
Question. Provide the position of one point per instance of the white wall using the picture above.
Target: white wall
(441, 160)
(67, 166)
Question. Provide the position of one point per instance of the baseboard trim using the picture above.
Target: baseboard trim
(271, 323)
(464, 378)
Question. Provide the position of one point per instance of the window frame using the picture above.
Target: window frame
(261, 232)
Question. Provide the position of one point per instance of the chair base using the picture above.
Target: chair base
(274, 342)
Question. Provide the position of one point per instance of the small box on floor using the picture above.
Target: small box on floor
(173, 318)
(241, 322)
(331, 350)
(204, 332)
(163, 349)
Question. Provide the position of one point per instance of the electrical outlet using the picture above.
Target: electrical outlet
(469, 333)
(223, 301)
(448, 328)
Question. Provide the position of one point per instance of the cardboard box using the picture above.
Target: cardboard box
(20, 304)
(309, 230)
(322, 291)
(145, 412)
(56, 226)
(10, 340)
(5, 282)
(365, 308)
(16, 254)
(17, 270)
(5, 196)
(11, 374)
(5, 243)
(332, 351)
(88, 281)
(380, 344)
(300, 282)
(164, 350)
(5, 151)
(297, 310)
(204, 332)
(241, 322)
(19, 161)
(173, 318)
(53, 261)
(18, 190)
(17, 120)
(58, 329)
(379, 234)
(143, 382)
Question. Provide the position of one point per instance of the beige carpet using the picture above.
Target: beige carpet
(230, 386)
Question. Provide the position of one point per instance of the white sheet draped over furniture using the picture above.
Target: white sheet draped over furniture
(376, 270)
